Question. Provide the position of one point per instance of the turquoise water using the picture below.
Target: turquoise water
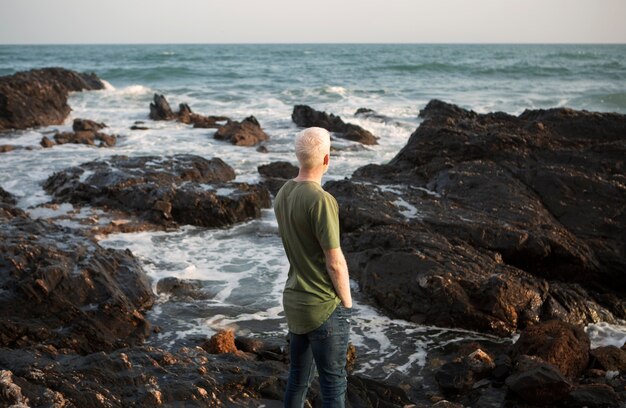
(509, 78)
(245, 266)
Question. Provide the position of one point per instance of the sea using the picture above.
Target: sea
(243, 268)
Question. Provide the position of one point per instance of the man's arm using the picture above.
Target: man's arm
(338, 271)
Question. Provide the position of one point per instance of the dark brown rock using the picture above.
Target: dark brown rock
(245, 133)
(185, 115)
(80, 125)
(46, 143)
(305, 116)
(538, 383)
(593, 396)
(6, 197)
(6, 148)
(166, 191)
(509, 194)
(608, 358)
(88, 137)
(559, 343)
(276, 174)
(66, 291)
(160, 109)
(39, 97)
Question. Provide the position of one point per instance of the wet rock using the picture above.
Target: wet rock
(365, 392)
(11, 393)
(245, 133)
(593, 396)
(46, 143)
(87, 137)
(276, 174)
(538, 382)
(559, 343)
(160, 109)
(81, 125)
(6, 197)
(185, 115)
(608, 358)
(446, 404)
(39, 97)
(534, 205)
(305, 116)
(167, 191)
(455, 377)
(184, 288)
(64, 290)
(265, 349)
(6, 148)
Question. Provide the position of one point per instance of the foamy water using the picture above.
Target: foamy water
(243, 268)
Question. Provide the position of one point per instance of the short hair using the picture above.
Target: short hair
(312, 144)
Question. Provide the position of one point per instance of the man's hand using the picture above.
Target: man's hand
(338, 271)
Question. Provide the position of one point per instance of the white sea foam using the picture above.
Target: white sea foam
(107, 85)
(605, 334)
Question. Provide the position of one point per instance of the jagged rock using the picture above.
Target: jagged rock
(184, 288)
(512, 195)
(87, 137)
(64, 290)
(245, 133)
(222, 342)
(538, 382)
(559, 343)
(455, 377)
(6, 148)
(305, 116)
(160, 109)
(276, 174)
(185, 115)
(608, 358)
(181, 189)
(80, 125)
(593, 396)
(39, 97)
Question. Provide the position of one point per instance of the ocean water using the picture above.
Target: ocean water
(243, 268)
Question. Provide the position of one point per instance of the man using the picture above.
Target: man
(316, 297)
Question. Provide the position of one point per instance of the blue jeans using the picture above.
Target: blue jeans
(327, 346)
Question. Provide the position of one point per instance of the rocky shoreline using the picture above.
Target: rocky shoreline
(494, 223)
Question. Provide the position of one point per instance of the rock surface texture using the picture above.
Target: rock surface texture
(39, 97)
(305, 116)
(494, 222)
(181, 189)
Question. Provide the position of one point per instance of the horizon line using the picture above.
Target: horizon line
(309, 43)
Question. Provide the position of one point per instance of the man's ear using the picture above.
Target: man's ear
(326, 159)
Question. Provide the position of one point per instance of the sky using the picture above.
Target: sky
(321, 21)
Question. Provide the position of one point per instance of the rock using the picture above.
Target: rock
(515, 198)
(350, 358)
(245, 133)
(184, 288)
(11, 393)
(539, 383)
(365, 392)
(64, 290)
(305, 116)
(185, 115)
(608, 358)
(276, 174)
(593, 396)
(80, 125)
(46, 143)
(6, 148)
(559, 343)
(455, 377)
(222, 342)
(160, 109)
(446, 404)
(6, 197)
(39, 97)
(181, 189)
(87, 137)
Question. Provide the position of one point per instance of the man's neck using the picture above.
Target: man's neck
(314, 175)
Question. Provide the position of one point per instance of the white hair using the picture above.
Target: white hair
(312, 144)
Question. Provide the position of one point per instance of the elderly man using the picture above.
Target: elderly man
(316, 297)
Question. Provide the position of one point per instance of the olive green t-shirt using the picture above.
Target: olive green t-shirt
(308, 223)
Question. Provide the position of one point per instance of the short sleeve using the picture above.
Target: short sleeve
(325, 220)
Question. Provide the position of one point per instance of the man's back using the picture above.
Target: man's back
(308, 224)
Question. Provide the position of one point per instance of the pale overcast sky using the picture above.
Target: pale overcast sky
(322, 21)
